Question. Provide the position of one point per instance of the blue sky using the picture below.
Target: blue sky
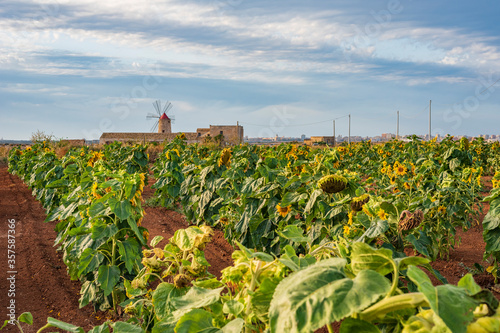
(77, 68)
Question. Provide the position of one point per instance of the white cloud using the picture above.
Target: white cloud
(283, 48)
(27, 88)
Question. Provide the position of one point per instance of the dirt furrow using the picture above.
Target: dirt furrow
(38, 275)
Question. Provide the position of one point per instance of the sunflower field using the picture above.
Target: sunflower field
(320, 234)
(398, 194)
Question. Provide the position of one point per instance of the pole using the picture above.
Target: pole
(430, 101)
(238, 131)
(349, 140)
(334, 132)
(397, 128)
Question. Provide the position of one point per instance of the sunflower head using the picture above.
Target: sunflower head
(495, 181)
(171, 153)
(181, 136)
(145, 235)
(358, 202)
(351, 214)
(94, 191)
(347, 229)
(182, 281)
(382, 214)
(400, 170)
(409, 221)
(225, 158)
(332, 183)
(283, 211)
(464, 143)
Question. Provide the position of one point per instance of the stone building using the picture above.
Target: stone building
(231, 134)
(329, 140)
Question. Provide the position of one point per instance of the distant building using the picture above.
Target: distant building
(329, 140)
(387, 136)
(230, 134)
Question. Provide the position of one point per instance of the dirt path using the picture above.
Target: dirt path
(41, 284)
(43, 288)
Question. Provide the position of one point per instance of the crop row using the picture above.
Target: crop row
(96, 198)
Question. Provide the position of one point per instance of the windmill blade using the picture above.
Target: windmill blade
(172, 119)
(151, 116)
(157, 106)
(167, 107)
(153, 129)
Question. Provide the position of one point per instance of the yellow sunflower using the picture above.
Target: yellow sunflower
(400, 170)
(346, 230)
(181, 136)
(225, 158)
(283, 211)
(382, 214)
(366, 211)
(94, 191)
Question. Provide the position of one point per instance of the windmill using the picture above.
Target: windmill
(163, 121)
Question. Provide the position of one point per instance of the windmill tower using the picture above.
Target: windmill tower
(164, 122)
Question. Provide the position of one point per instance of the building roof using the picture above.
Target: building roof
(164, 116)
